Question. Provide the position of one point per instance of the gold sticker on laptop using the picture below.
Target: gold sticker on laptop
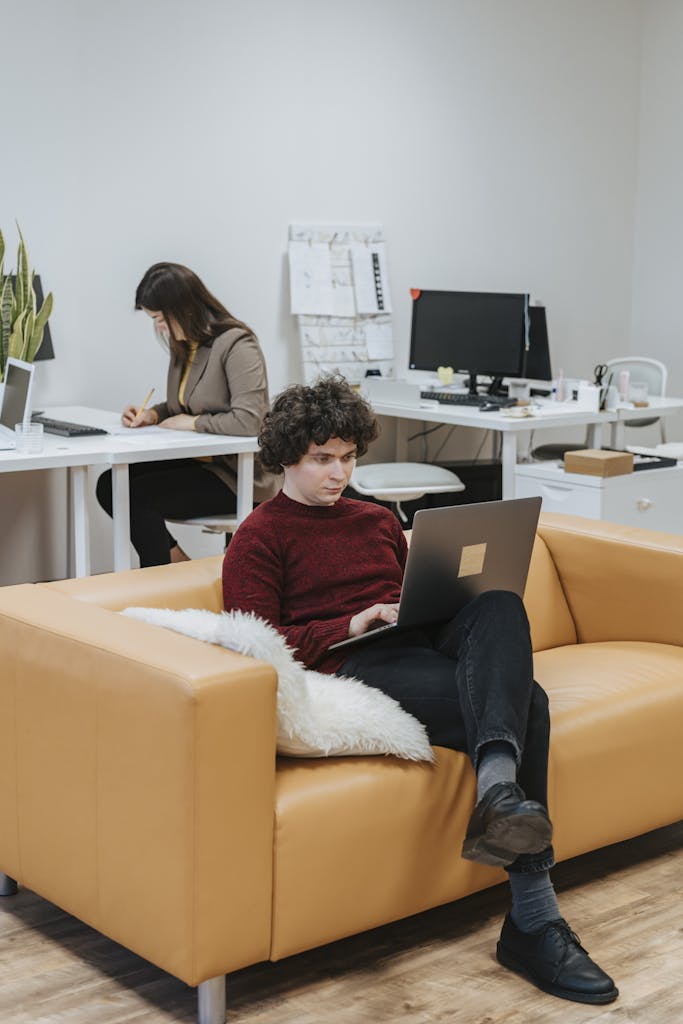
(472, 560)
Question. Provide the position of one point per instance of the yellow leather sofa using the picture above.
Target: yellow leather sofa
(140, 789)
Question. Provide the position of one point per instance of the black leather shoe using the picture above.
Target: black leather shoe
(555, 961)
(505, 824)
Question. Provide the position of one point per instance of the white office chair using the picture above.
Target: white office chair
(641, 369)
(226, 524)
(645, 370)
(404, 481)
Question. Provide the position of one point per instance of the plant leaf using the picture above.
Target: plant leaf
(27, 332)
(16, 338)
(36, 338)
(23, 273)
(6, 299)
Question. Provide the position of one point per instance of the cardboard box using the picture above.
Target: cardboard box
(594, 462)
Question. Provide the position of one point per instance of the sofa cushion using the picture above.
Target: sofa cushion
(620, 582)
(549, 617)
(616, 758)
(364, 841)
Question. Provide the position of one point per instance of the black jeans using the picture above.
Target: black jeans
(178, 489)
(470, 682)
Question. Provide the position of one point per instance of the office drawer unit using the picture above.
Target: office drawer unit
(651, 498)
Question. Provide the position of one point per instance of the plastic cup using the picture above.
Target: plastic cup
(28, 437)
(519, 389)
(638, 392)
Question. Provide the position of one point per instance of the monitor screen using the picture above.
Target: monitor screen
(474, 332)
(538, 355)
(16, 395)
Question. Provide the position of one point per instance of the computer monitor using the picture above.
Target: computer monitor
(474, 332)
(537, 366)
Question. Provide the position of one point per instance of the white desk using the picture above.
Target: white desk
(74, 455)
(550, 414)
(118, 452)
(656, 407)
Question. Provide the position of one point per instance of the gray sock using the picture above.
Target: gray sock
(496, 764)
(534, 902)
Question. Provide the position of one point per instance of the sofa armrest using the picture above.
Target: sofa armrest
(137, 774)
(620, 582)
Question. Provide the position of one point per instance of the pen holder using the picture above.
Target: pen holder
(589, 396)
(28, 437)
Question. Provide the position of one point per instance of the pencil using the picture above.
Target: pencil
(142, 408)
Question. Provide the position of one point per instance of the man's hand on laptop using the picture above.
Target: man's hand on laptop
(377, 613)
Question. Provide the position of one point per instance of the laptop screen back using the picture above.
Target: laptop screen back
(15, 397)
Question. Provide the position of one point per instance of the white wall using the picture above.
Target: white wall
(658, 265)
(496, 140)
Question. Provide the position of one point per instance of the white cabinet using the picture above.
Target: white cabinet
(651, 498)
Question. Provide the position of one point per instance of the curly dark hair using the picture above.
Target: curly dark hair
(303, 414)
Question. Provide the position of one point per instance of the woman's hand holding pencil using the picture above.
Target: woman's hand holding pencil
(139, 416)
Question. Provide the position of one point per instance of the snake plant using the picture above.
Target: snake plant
(21, 324)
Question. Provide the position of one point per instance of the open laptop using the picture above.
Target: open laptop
(457, 553)
(16, 399)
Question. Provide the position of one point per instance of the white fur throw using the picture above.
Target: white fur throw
(318, 715)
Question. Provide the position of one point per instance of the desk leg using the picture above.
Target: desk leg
(80, 522)
(618, 434)
(594, 435)
(509, 463)
(121, 508)
(245, 485)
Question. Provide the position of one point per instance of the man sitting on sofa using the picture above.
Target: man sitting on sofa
(321, 567)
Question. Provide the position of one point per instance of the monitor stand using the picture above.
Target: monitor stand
(496, 387)
(472, 384)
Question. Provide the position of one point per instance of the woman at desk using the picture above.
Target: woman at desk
(217, 384)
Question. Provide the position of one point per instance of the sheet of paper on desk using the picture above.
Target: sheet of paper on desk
(118, 430)
(310, 278)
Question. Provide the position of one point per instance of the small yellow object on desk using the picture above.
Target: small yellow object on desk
(594, 462)
(445, 375)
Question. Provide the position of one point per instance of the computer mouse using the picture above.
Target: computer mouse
(489, 407)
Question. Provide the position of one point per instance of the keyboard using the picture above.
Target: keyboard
(462, 398)
(66, 429)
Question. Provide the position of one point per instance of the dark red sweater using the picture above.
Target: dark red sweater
(309, 569)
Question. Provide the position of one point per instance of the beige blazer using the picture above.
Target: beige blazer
(227, 389)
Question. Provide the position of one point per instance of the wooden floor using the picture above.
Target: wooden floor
(626, 902)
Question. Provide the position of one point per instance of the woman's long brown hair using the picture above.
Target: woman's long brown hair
(177, 292)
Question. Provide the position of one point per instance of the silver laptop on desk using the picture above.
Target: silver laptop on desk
(16, 399)
(457, 553)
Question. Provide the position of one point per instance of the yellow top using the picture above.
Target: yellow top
(192, 352)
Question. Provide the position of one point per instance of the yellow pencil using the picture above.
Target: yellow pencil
(142, 408)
